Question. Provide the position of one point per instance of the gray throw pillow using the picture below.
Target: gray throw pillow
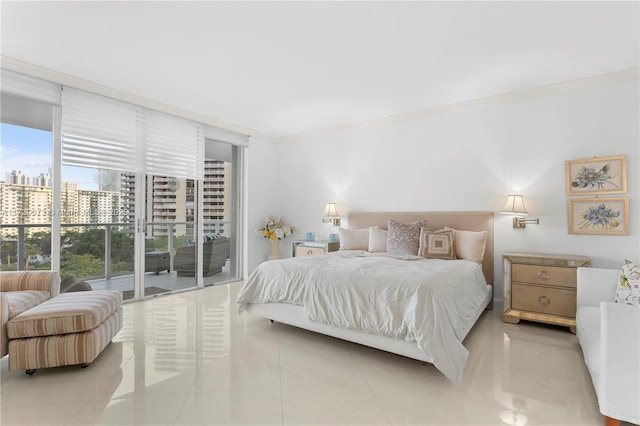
(404, 238)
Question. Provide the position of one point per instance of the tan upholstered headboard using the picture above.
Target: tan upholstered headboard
(469, 221)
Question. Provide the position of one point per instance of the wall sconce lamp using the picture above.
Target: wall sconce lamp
(515, 206)
(331, 214)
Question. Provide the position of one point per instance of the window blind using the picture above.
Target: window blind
(105, 133)
(99, 132)
(173, 146)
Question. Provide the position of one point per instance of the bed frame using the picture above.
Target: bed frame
(470, 221)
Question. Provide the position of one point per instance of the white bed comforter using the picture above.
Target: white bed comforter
(427, 301)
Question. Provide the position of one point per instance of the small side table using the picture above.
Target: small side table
(308, 248)
(540, 287)
(156, 261)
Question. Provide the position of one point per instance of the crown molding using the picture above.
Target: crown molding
(32, 70)
(631, 74)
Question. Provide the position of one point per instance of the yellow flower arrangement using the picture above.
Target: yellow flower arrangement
(275, 229)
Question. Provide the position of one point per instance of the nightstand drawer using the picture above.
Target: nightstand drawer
(553, 301)
(545, 275)
(308, 248)
(308, 251)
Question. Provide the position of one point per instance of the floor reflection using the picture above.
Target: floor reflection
(190, 358)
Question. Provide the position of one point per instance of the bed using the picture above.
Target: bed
(407, 316)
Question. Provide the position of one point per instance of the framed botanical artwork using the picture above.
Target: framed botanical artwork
(599, 216)
(600, 175)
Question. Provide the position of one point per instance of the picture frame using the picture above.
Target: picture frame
(598, 175)
(599, 216)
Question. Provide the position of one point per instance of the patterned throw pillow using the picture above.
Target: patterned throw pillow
(404, 238)
(628, 291)
(437, 245)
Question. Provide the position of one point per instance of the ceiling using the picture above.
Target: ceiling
(277, 69)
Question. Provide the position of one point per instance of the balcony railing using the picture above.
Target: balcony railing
(164, 228)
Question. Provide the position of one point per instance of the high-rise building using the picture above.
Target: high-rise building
(128, 191)
(216, 193)
(168, 199)
(16, 177)
(168, 203)
(24, 204)
(89, 206)
(31, 204)
(44, 179)
(173, 200)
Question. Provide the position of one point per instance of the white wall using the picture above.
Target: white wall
(467, 158)
(263, 196)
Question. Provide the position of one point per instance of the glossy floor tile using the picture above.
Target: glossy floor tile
(191, 359)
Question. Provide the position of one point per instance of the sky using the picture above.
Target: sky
(31, 150)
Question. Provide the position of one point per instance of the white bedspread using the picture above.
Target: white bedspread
(427, 301)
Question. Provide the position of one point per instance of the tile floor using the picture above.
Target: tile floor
(190, 359)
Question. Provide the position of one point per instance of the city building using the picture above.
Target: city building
(31, 204)
(16, 177)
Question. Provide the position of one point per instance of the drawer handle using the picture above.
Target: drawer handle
(309, 252)
(544, 275)
(544, 301)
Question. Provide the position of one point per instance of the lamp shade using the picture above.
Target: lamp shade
(514, 205)
(330, 210)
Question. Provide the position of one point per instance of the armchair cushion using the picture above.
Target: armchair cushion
(20, 301)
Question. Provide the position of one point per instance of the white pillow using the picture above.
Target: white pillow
(354, 239)
(469, 245)
(377, 239)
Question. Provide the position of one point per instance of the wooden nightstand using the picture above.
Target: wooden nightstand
(540, 287)
(307, 248)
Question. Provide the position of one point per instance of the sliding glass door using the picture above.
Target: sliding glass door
(221, 207)
(170, 251)
(128, 232)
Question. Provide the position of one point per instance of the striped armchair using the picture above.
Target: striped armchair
(21, 291)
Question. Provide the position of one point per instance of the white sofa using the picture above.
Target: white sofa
(609, 334)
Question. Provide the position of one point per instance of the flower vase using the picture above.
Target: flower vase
(275, 250)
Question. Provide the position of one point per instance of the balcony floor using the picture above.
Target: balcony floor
(154, 284)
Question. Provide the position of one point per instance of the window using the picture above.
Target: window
(111, 166)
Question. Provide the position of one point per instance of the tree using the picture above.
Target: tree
(83, 266)
(92, 242)
(89, 242)
(30, 250)
(7, 252)
(42, 239)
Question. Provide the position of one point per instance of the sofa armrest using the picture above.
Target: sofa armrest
(596, 285)
(619, 395)
(4, 318)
